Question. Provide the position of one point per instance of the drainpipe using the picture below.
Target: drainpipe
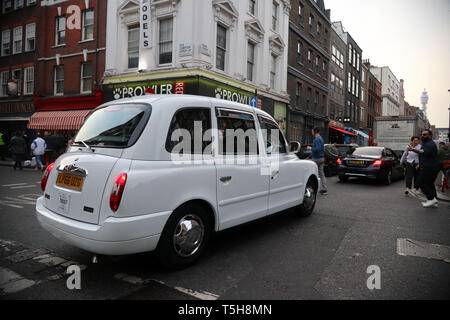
(96, 42)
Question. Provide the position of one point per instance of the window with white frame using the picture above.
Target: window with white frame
(60, 36)
(18, 4)
(250, 60)
(350, 52)
(6, 42)
(273, 71)
(221, 47)
(17, 38)
(28, 80)
(357, 88)
(30, 36)
(86, 77)
(133, 46)
(4, 75)
(17, 78)
(349, 82)
(59, 80)
(165, 40)
(252, 6)
(7, 5)
(88, 25)
(275, 7)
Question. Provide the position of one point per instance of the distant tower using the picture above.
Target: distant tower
(424, 99)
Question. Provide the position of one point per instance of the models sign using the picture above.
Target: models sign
(145, 24)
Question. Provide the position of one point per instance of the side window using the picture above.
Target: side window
(186, 120)
(270, 127)
(237, 133)
(389, 153)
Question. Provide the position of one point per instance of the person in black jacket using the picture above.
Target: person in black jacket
(429, 168)
(18, 149)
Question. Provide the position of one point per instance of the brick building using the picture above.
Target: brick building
(19, 22)
(308, 69)
(364, 103)
(353, 71)
(70, 63)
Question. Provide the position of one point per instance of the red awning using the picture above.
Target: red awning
(58, 120)
(343, 131)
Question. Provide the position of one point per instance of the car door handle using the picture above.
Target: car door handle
(226, 179)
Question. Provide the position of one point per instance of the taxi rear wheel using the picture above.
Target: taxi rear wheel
(184, 237)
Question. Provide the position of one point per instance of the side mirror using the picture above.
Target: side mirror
(294, 146)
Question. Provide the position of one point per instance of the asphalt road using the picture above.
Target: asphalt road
(326, 256)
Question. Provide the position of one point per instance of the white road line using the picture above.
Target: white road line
(10, 205)
(14, 185)
(11, 282)
(23, 187)
(202, 295)
(414, 248)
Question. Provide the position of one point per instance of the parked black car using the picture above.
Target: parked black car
(346, 149)
(371, 162)
(331, 158)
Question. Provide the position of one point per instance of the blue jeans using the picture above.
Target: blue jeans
(38, 160)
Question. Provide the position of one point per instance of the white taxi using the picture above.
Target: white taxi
(162, 173)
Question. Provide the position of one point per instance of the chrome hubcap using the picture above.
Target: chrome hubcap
(310, 197)
(188, 235)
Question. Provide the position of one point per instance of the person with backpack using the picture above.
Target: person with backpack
(38, 147)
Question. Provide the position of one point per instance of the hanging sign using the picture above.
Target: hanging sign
(145, 24)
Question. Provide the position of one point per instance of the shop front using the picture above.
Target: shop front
(14, 116)
(65, 114)
(197, 85)
(339, 134)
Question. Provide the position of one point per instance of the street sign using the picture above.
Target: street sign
(254, 102)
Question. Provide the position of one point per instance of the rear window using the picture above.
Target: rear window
(368, 152)
(115, 126)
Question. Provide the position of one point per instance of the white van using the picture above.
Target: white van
(126, 187)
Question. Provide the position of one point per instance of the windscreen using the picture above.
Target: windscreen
(371, 152)
(114, 126)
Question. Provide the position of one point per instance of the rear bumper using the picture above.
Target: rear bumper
(115, 236)
(372, 173)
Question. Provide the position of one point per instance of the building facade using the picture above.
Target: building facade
(364, 120)
(232, 50)
(70, 63)
(390, 90)
(19, 24)
(308, 69)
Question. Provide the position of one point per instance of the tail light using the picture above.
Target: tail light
(378, 163)
(339, 161)
(117, 191)
(45, 176)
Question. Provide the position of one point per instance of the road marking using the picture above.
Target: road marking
(11, 282)
(23, 187)
(202, 295)
(414, 248)
(14, 185)
(25, 255)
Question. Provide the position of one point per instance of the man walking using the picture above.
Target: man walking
(318, 156)
(38, 148)
(429, 168)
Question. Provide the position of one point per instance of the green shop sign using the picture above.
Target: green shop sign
(188, 85)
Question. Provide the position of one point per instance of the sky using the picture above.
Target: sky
(412, 37)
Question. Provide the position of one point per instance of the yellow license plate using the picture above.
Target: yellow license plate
(70, 181)
(357, 162)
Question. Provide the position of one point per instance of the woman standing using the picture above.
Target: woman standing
(410, 159)
(18, 148)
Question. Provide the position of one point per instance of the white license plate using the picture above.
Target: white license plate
(63, 202)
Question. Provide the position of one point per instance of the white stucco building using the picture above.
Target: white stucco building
(391, 94)
(235, 50)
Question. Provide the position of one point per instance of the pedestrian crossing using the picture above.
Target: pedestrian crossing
(14, 256)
